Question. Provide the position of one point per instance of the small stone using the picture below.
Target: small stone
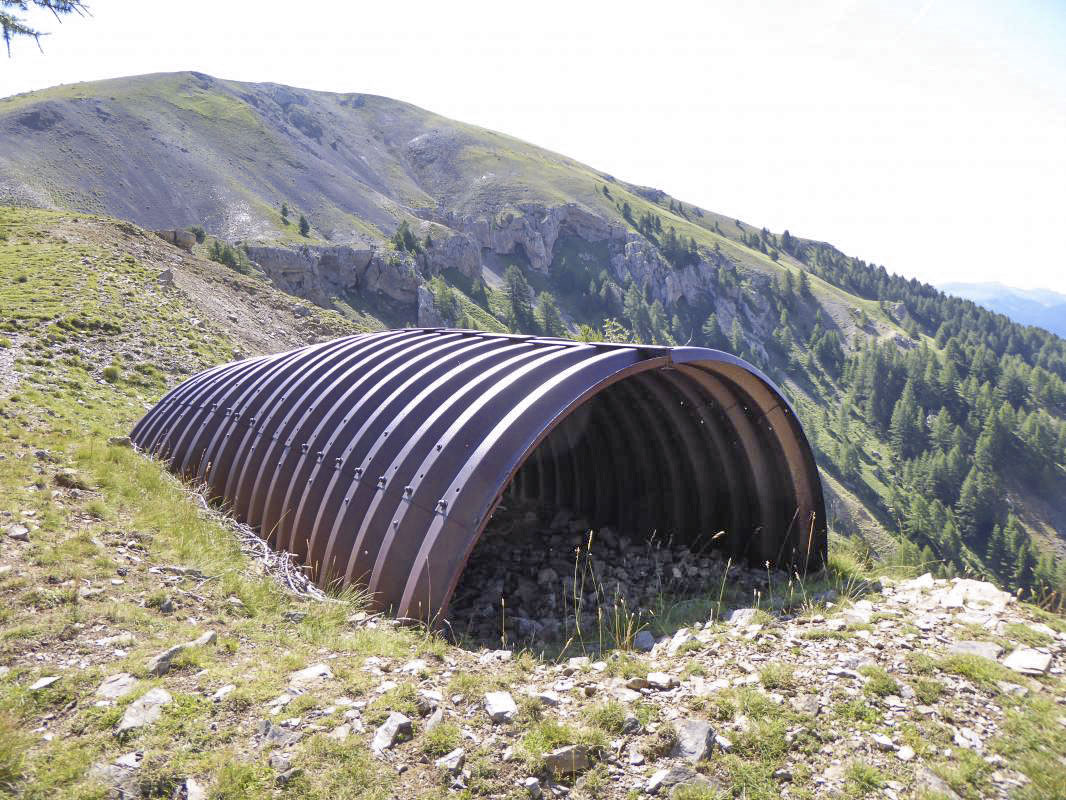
(783, 775)
(500, 707)
(568, 760)
(341, 732)
(145, 710)
(927, 781)
(532, 785)
(1028, 661)
(116, 686)
(643, 642)
(989, 650)
(20, 533)
(921, 583)
(631, 725)
(742, 617)
(159, 664)
(905, 753)
(280, 761)
(548, 698)
(44, 683)
(119, 441)
(662, 681)
(695, 740)
(392, 730)
(68, 479)
(435, 719)
(204, 640)
(679, 640)
(547, 577)
(294, 616)
(223, 692)
(453, 761)
(674, 776)
(194, 790)
(883, 742)
(1012, 689)
(310, 676)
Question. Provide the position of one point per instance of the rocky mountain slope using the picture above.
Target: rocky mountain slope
(940, 427)
(148, 651)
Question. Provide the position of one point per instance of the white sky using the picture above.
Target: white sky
(925, 135)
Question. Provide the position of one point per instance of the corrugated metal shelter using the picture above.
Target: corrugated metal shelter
(378, 459)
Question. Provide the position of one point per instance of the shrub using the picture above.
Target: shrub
(112, 373)
(305, 226)
(199, 233)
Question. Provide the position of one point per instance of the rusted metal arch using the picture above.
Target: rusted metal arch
(378, 459)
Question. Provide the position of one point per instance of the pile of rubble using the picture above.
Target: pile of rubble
(543, 576)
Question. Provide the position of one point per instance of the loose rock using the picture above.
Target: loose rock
(695, 739)
(144, 710)
(394, 729)
(500, 707)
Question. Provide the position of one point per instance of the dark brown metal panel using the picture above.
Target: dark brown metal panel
(223, 448)
(272, 444)
(379, 458)
(357, 526)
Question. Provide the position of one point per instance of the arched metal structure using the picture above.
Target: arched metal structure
(379, 458)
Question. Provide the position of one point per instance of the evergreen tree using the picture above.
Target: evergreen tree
(519, 299)
(551, 321)
(305, 226)
(712, 334)
(905, 431)
(736, 340)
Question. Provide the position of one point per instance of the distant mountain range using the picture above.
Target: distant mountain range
(1041, 307)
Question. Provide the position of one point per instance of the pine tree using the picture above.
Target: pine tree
(904, 431)
(736, 340)
(305, 226)
(551, 321)
(712, 334)
(519, 299)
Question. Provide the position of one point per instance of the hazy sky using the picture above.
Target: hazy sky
(925, 135)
